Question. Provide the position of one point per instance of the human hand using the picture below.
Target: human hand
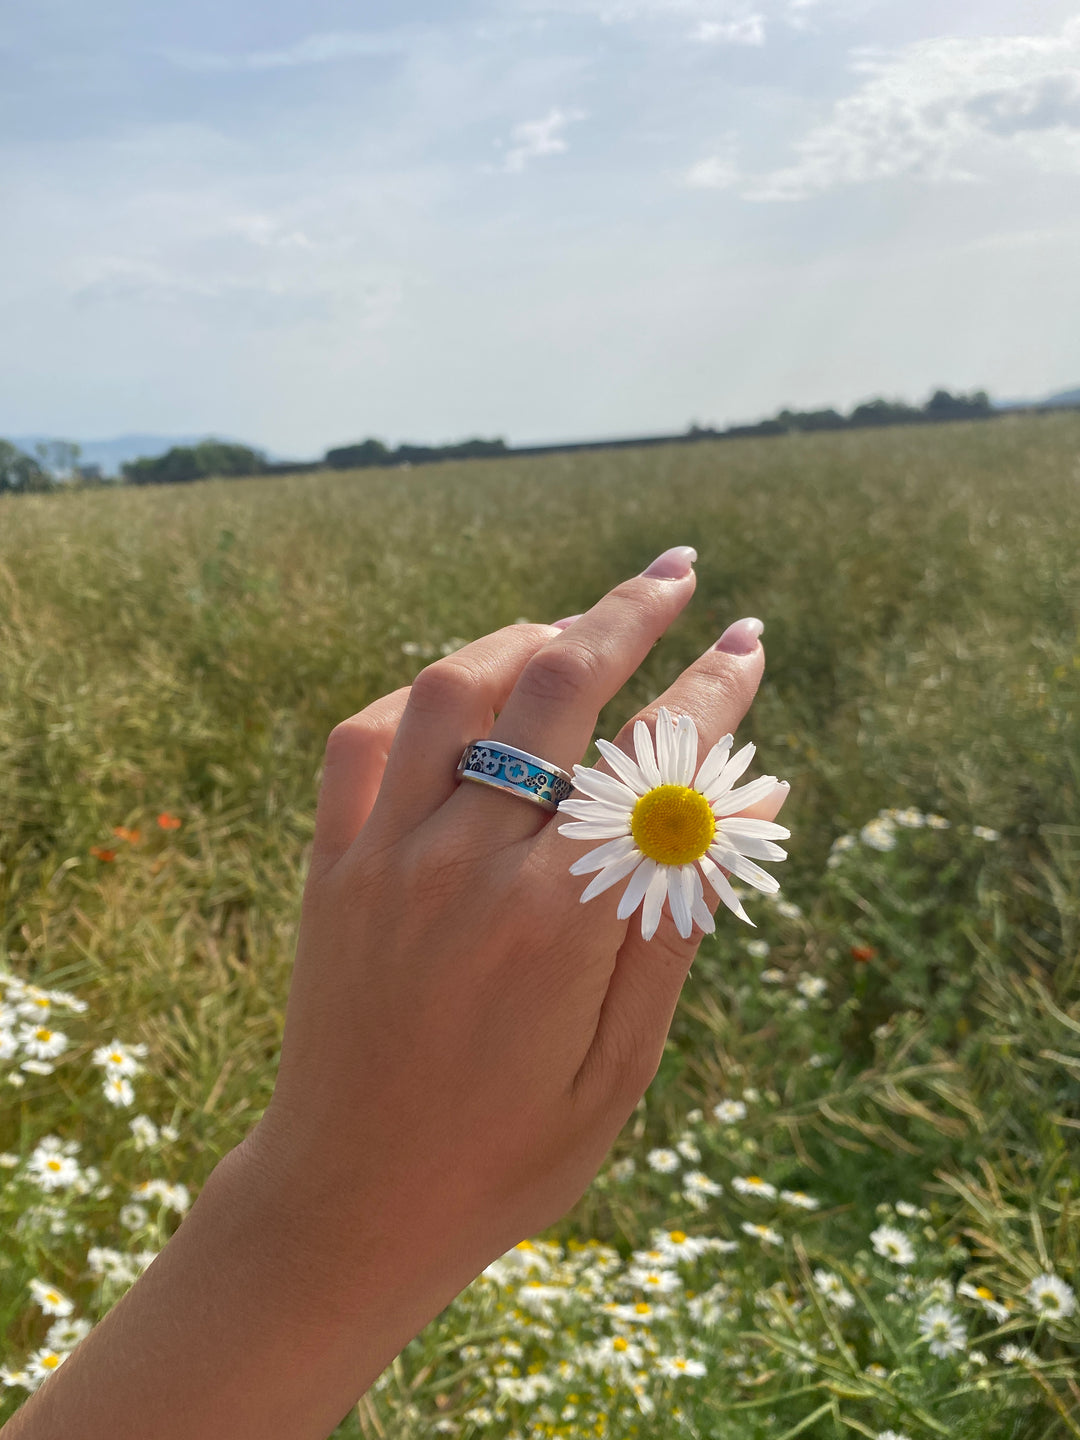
(463, 1039)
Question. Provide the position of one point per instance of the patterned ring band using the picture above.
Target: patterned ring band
(489, 762)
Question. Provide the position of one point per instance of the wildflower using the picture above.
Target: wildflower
(762, 1233)
(773, 976)
(118, 1090)
(123, 833)
(655, 1281)
(696, 1183)
(833, 1289)
(42, 1043)
(788, 910)
(11, 1378)
(862, 954)
(66, 1334)
(172, 1197)
(106, 1264)
(674, 1366)
(43, 1362)
(37, 1067)
(640, 1313)
(891, 1434)
(812, 986)
(50, 1166)
(879, 1372)
(879, 834)
(145, 1132)
(985, 1298)
(754, 1185)
(911, 819)
(479, 1415)
(51, 1300)
(169, 822)
(938, 822)
(667, 829)
(8, 1161)
(133, 1217)
(799, 1199)
(728, 1112)
(662, 1161)
(614, 1352)
(117, 1059)
(99, 852)
(677, 1245)
(1017, 1355)
(688, 1150)
(751, 1096)
(943, 1329)
(893, 1244)
(621, 1170)
(1049, 1295)
(905, 1208)
(759, 949)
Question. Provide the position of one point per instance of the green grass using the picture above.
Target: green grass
(188, 649)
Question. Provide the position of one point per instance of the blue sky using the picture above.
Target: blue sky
(308, 222)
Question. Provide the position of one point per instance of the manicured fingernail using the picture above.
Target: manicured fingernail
(784, 785)
(740, 638)
(562, 624)
(673, 564)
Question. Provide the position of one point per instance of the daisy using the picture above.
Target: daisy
(51, 1300)
(1049, 1295)
(833, 1289)
(942, 1327)
(1016, 1355)
(11, 1377)
(666, 828)
(41, 1043)
(985, 1297)
(66, 1334)
(144, 1131)
(762, 1233)
(679, 1246)
(119, 1059)
(879, 834)
(662, 1161)
(728, 1112)
(675, 1365)
(893, 1244)
(43, 1362)
(50, 1168)
(118, 1090)
(654, 1282)
(799, 1199)
(697, 1183)
(754, 1185)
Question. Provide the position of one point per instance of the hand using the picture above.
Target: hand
(464, 1039)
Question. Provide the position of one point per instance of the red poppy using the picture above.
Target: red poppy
(169, 822)
(131, 836)
(100, 853)
(863, 953)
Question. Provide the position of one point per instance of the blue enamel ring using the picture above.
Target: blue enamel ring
(507, 768)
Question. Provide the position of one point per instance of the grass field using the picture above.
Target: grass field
(899, 1041)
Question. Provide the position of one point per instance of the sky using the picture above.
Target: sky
(305, 222)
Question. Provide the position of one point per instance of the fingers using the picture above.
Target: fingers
(647, 981)
(552, 709)
(353, 768)
(450, 703)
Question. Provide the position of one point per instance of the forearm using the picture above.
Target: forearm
(237, 1332)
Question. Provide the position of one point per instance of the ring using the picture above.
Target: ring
(516, 771)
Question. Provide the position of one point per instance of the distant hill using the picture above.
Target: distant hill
(1067, 397)
(1062, 400)
(111, 454)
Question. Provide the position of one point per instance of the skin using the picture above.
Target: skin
(463, 1043)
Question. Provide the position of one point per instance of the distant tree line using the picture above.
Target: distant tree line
(57, 462)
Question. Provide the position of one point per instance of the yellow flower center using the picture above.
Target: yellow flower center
(673, 825)
(677, 1237)
(983, 1293)
(50, 1362)
(753, 1179)
(43, 1034)
(619, 1343)
(643, 1308)
(52, 1164)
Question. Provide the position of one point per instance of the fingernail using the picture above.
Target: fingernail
(673, 564)
(784, 785)
(740, 638)
(562, 624)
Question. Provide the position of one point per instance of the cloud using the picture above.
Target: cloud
(534, 138)
(318, 49)
(715, 172)
(945, 110)
(749, 30)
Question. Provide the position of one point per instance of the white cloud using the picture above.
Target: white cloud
(533, 138)
(945, 110)
(749, 30)
(715, 172)
(318, 49)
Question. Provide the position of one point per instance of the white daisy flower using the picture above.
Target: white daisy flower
(890, 1434)
(937, 822)
(675, 1366)
(799, 1199)
(759, 949)
(811, 986)
(1017, 1354)
(788, 910)
(117, 1059)
(677, 1245)
(688, 1150)
(893, 1244)
(50, 1167)
(51, 1300)
(833, 1289)
(42, 1043)
(640, 1313)
(8, 1044)
(942, 1328)
(728, 1112)
(754, 1185)
(12, 1377)
(145, 1132)
(985, 1298)
(905, 1208)
(1049, 1295)
(655, 1281)
(43, 1362)
(662, 1161)
(66, 1334)
(118, 1090)
(697, 1183)
(763, 1233)
(666, 828)
(983, 832)
(133, 1217)
(621, 1170)
(879, 834)
(772, 976)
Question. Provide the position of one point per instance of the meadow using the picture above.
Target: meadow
(849, 1204)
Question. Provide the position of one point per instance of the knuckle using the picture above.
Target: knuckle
(448, 684)
(561, 674)
(349, 736)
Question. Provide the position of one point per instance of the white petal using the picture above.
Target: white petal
(680, 895)
(686, 747)
(713, 763)
(755, 849)
(700, 911)
(745, 869)
(646, 754)
(739, 762)
(599, 786)
(759, 829)
(653, 907)
(604, 855)
(744, 797)
(722, 885)
(639, 882)
(585, 830)
(666, 756)
(593, 810)
(623, 766)
(611, 875)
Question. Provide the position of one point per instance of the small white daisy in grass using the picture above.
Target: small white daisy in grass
(8, 1160)
(678, 1245)
(664, 1162)
(677, 1366)
(688, 1150)
(729, 1112)
(37, 1067)
(1049, 1295)
(614, 1352)
(118, 1090)
(892, 1244)
(759, 949)
(983, 832)
(66, 1334)
(117, 1059)
(811, 986)
(986, 1298)
(51, 1166)
(772, 976)
(906, 1209)
(891, 1434)
(43, 1362)
(1017, 1355)
(133, 1217)
(943, 1329)
(833, 1289)
(173, 1197)
(642, 1312)
(695, 1182)
(12, 1376)
(799, 1199)
(41, 1042)
(788, 910)
(51, 1300)
(145, 1132)
(879, 834)
(937, 822)
(665, 827)
(655, 1281)
(104, 1263)
(8, 1044)
(754, 1185)
(764, 1233)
